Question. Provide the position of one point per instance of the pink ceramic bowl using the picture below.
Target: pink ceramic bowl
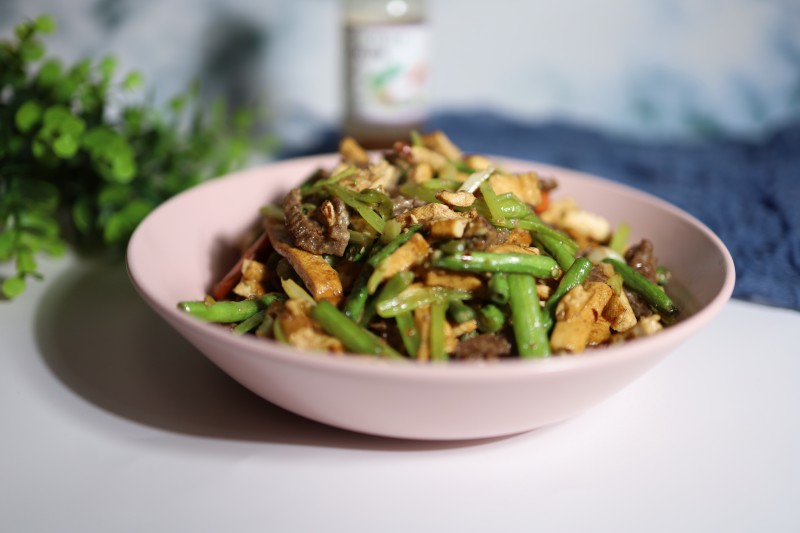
(174, 256)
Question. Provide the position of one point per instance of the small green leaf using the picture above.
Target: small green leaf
(132, 81)
(55, 115)
(26, 263)
(7, 238)
(49, 73)
(28, 115)
(107, 67)
(114, 195)
(82, 215)
(43, 224)
(121, 224)
(13, 286)
(65, 146)
(45, 24)
(31, 50)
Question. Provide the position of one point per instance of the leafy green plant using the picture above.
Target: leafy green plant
(82, 162)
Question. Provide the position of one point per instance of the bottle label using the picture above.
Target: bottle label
(387, 72)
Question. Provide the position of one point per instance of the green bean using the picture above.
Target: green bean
(438, 352)
(526, 317)
(498, 288)
(441, 184)
(513, 207)
(250, 323)
(460, 312)
(492, 202)
(651, 292)
(454, 246)
(414, 297)
(408, 332)
(490, 319)
(394, 286)
(355, 338)
(535, 224)
(267, 324)
(540, 266)
(558, 249)
(226, 312)
(393, 245)
(573, 277)
(354, 304)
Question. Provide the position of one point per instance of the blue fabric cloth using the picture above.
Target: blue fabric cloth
(747, 192)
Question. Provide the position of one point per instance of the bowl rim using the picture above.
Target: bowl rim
(504, 369)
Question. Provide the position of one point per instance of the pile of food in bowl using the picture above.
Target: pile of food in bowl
(423, 252)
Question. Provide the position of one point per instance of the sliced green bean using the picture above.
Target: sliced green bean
(460, 312)
(498, 288)
(393, 245)
(573, 277)
(408, 332)
(441, 184)
(354, 304)
(557, 248)
(250, 323)
(537, 225)
(653, 294)
(394, 286)
(490, 319)
(527, 319)
(438, 352)
(414, 297)
(540, 266)
(355, 338)
(226, 312)
(492, 202)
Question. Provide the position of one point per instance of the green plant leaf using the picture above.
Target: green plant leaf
(13, 286)
(26, 263)
(107, 67)
(114, 195)
(49, 73)
(31, 50)
(121, 224)
(132, 81)
(45, 24)
(28, 115)
(82, 215)
(7, 239)
(65, 146)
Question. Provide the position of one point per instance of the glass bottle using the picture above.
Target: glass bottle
(386, 69)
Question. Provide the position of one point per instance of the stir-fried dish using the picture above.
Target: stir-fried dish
(423, 252)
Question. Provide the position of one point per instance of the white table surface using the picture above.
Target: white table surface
(110, 422)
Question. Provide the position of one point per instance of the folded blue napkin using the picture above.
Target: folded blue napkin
(747, 192)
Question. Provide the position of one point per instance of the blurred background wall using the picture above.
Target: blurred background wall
(682, 69)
